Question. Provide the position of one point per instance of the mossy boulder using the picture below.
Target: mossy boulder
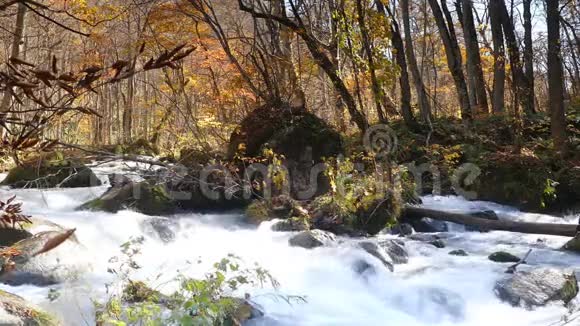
(567, 190)
(51, 172)
(146, 198)
(280, 207)
(376, 212)
(299, 136)
(366, 214)
(14, 310)
(9, 234)
(573, 244)
(521, 180)
(292, 224)
(503, 257)
(538, 287)
(258, 211)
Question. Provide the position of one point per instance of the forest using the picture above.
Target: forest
(289, 162)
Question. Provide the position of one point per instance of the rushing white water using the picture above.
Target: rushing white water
(434, 288)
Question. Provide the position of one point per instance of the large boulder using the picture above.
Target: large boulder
(567, 190)
(22, 263)
(389, 252)
(51, 172)
(379, 253)
(144, 197)
(299, 136)
(521, 180)
(16, 311)
(538, 287)
(11, 234)
(281, 207)
(573, 244)
(291, 225)
(371, 214)
(312, 239)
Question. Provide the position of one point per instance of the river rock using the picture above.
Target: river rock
(503, 257)
(434, 304)
(379, 253)
(300, 136)
(28, 267)
(396, 250)
(438, 244)
(538, 287)
(15, 311)
(244, 311)
(160, 228)
(458, 252)
(402, 229)
(312, 239)
(428, 225)
(291, 225)
(573, 244)
(424, 237)
(9, 235)
(144, 197)
(51, 172)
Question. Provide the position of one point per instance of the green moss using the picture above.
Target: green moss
(570, 289)
(49, 172)
(144, 197)
(258, 211)
(154, 200)
(520, 180)
(20, 308)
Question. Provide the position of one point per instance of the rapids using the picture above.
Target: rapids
(434, 288)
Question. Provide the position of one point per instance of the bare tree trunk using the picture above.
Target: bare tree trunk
(15, 52)
(423, 99)
(555, 76)
(529, 55)
(498, 57)
(128, 111)
(453, 55)
(474, 70)
(375, 85)
(406, 111)
(522, 93)
(320, 57)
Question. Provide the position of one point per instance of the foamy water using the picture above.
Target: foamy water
(434, 288)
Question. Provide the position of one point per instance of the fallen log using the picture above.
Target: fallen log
(567, 230)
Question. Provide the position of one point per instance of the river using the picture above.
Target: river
(434, 288)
